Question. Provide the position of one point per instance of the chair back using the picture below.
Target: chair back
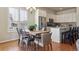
(46, 38)
(77, 32)
(18, 31)
(21, 32)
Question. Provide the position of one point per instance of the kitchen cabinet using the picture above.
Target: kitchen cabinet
(42, 13)
(77, 12)
(69, 17)
(51, 16)
(55, 34)
(74, 17)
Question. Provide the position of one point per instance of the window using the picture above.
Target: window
(23, 15)
(16, 15)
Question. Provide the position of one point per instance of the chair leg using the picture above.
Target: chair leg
(48, 47)
(38, 44)
(71, 42)
(27, 47)
(34, 46)
(51, 45)
(18, 41)
(44, 48)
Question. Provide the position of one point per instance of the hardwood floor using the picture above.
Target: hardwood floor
(13, 46)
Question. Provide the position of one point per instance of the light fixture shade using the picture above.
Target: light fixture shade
(31, 8)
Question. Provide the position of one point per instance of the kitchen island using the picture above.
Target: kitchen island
(57, 33)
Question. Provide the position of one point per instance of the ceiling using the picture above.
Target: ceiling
(56, 9)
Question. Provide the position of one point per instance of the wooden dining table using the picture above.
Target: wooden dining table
(37, 32)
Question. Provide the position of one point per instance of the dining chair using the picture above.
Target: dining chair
(22, 36)
(25, 39)
(69, 36)
(45, 40)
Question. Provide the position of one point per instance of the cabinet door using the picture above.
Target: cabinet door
(51, 16)
(55, 35)
(42, 13)
(74, 17)
(69, 17)
(58, 18)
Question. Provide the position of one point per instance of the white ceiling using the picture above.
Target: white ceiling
(56, 9)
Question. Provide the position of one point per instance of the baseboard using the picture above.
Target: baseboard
(8, 40)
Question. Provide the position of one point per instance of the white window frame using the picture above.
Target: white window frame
(18, 17)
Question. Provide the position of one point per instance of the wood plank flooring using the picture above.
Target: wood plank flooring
(13, 46)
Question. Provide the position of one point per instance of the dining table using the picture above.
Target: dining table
(35, 33)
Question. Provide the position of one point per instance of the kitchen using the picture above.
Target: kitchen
(58, 20)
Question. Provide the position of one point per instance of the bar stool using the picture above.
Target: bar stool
(68, 37)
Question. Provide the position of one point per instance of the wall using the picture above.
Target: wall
(4, 34)
(42, 13)
(31, 18)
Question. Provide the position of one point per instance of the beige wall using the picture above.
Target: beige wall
(4, 34)
(3, 23)
(31, 18)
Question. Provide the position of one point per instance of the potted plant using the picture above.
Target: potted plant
(32, 27)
